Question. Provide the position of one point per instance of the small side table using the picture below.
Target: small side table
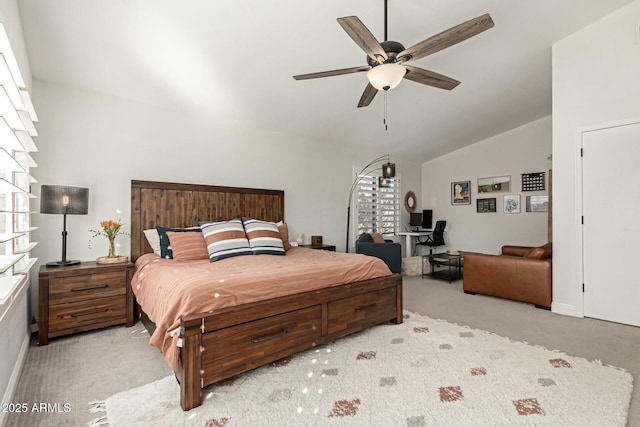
(321, 247)
(453, 262)
(83, 297)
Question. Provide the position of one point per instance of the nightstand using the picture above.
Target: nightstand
(83, 297)
(322, 247)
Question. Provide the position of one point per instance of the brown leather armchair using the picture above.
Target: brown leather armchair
(521, 273)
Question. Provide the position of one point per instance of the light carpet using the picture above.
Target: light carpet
(424, 372)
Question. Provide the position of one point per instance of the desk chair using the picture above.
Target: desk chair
(436, 238)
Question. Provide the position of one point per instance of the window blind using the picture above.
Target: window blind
(16, 131)
(377, 207)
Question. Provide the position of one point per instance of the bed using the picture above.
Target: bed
(219, 343)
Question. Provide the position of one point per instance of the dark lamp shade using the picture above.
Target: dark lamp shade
(59, 199)
(389, 170)
(382, 182)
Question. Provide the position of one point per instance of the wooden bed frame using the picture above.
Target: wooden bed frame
(229, 341)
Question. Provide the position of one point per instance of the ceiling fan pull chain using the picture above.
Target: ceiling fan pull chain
(384, 120)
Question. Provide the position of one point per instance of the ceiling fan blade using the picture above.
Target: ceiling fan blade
(447, 38)
(369, 93)
(332, 73)
(426, 77)
(363, 37)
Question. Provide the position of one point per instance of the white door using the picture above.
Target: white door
(611, 230)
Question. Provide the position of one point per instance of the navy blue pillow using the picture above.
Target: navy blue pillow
(365, 238)
(165, 245)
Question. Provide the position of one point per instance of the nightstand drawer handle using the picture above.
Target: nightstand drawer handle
(270, 337)
(87, 313)
(104, 285)
(366, 307)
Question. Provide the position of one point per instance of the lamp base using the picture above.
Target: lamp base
(63, 263)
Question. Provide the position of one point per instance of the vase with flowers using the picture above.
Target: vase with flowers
(110, 229)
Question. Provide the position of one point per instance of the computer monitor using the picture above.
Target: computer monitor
(427, 219)
(415, 219)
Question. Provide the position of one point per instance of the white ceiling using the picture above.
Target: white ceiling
(234, 60)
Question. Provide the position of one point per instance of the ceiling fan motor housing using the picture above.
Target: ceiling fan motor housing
(392, 48)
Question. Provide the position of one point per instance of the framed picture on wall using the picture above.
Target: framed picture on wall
(533, 181)
(537, 204)
(511, 203)
(461, 193)
(486, 205)
(494, 184)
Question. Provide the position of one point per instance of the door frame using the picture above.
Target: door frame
(579, 199)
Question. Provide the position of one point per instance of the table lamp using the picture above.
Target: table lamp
(64, 200)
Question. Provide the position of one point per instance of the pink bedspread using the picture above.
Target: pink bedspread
(168, 289)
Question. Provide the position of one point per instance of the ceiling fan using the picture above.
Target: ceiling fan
(387, 60)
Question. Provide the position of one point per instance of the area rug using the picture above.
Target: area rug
(424, 372)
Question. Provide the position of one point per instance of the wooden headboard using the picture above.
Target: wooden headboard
(169, 204)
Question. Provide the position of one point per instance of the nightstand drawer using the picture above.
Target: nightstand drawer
(72, 289)
(83, 315)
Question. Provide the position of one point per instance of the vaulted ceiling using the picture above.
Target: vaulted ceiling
(234, 61)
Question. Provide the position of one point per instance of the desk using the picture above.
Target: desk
(410, 236)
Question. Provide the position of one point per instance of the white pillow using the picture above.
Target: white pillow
(153, 239)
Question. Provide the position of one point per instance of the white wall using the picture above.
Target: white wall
(14, 343)
(595, 81)
(103, 142)
(521, 150)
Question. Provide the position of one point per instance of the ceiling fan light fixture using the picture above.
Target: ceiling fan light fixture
(386, 76)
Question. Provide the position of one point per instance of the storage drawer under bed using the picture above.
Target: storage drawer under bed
(358, 312)
(237, 349)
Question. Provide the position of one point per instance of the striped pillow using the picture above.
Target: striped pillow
(264, 237)
(225, 239)
(187, 246)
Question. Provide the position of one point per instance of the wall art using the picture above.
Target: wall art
(494, 184)
(511, 203)
(486, 205)
(537, 204)
(461, 193)
(533, 181)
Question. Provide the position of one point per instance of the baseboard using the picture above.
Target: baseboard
(15, 376)
(566, 309)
